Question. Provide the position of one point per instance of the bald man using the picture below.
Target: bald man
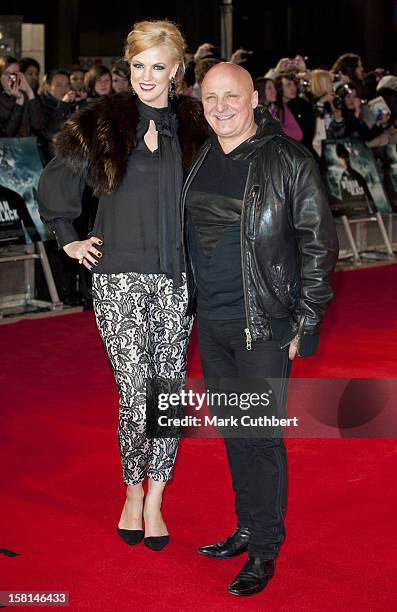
(260, 243)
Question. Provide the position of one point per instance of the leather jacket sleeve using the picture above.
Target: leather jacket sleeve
(317, 240)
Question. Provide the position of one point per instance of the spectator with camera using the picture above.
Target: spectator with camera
(15, 93)
(330, 122)
(387, 88)
(297, 65)
(349, 68)
(374, 136)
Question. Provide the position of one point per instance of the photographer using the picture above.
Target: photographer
(330, 122)
(15, 92)
(375, 136)
(297, 65)
(387, 88)
(349, 68)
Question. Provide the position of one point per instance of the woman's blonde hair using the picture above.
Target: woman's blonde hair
(147, 34)
(319, 82)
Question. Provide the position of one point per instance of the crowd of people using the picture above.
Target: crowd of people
(33, 107)
(311, 105)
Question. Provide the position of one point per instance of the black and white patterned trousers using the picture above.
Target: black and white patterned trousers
(142, 324)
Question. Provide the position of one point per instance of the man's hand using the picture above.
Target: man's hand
(293, 349)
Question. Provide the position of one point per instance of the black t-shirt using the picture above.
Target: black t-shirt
(214, 203)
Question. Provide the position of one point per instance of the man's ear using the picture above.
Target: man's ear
(254, 99)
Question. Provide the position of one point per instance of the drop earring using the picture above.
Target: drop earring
(171, 88)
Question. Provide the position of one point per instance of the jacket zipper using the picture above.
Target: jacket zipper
(247, 330)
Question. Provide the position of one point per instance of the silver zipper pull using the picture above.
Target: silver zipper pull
(248, 339)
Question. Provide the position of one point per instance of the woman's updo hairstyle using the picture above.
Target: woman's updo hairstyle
(146, 34)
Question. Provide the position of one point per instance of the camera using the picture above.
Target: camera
(13, 77)
(337, 102)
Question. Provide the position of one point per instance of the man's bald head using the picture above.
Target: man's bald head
(229, 100)
(228, 70)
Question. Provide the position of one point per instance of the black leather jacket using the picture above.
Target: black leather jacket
(288, 238)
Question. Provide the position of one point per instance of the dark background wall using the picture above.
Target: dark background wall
(320, 29)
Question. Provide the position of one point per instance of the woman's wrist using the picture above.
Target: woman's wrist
(20, 99)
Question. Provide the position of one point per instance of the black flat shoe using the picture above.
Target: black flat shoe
(234, 545)
(156, 542)
(130, 536)
(253, 577)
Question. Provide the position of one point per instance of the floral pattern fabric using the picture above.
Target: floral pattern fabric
(142, 324)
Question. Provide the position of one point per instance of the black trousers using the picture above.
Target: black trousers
(258, 465)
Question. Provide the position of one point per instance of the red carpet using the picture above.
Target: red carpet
(62, 495)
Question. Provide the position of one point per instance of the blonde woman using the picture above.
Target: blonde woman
(329, 118)
(132, 149)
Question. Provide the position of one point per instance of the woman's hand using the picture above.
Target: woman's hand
(283, 65)
(240, 56)
(84, 251)
(204, 50)
(24, 86)
(11, 87)
(327, 98)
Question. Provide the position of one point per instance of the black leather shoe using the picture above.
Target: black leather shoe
(254, 576)
(130, 536)
(234, 545)
(156, 542)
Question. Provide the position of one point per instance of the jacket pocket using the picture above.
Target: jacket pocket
(284, 286)
(253, 204)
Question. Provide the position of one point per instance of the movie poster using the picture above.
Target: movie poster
(20, 169)
(386, 158)
(354, 185)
